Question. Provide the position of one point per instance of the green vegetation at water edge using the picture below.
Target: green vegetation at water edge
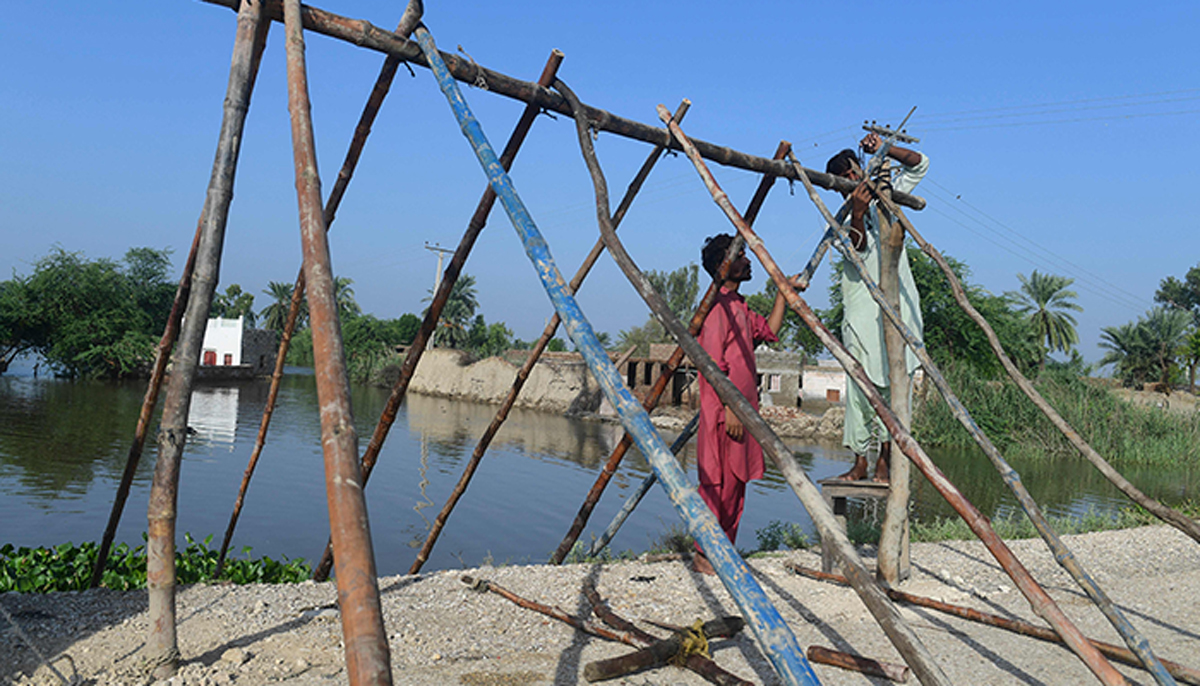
(68, 567)
(1124, 433)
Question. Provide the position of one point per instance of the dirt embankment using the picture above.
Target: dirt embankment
(563, 385)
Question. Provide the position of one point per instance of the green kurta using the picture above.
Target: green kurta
(863, 322)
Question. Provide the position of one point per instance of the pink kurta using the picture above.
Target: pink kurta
(729, 335)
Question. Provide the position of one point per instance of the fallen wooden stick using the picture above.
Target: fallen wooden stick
(1119, 653)
(483, 585)
(699, 664)
(662, 652)
(857, 663)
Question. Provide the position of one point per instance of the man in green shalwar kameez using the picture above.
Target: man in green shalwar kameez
(862, 320)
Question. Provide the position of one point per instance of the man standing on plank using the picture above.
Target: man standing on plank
(726, 455)
(862, 320)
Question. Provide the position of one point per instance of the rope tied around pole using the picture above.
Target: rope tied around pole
(693, 641)
(479, 82)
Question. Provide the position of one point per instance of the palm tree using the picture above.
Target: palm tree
(460, 308)
(343, 295)
(1045, 299)
(1147, 348)
(274, 316)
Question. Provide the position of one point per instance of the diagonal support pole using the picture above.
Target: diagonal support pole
(676, 358)
(367, 657)
(383, 83)
(425, 333)
(1042, 604)
(534, 355)
(777, 640)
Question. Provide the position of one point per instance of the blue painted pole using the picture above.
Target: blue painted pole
(764, 620)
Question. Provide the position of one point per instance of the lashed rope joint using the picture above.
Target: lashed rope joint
(692, 642)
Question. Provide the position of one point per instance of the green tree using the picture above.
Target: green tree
(1184, 295)
(87, 317)
(452, 329)
(794, 334)
(1189, 354)
(681, 290)
(1146, 350)
(343, 294)
(407, 327)
(486, 340)
(233, 303)
(274, 316)
(1044, 298)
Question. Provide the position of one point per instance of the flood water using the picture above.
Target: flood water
(63, 446)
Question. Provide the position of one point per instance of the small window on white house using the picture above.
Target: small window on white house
(776, 383)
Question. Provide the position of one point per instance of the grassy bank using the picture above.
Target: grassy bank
(1124, 433)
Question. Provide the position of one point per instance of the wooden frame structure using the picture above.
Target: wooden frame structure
(367, 654)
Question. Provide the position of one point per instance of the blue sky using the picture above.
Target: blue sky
(1062, 138)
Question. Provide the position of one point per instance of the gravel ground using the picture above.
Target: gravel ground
(441, 632)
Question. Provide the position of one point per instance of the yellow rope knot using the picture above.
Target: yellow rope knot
(693, 642)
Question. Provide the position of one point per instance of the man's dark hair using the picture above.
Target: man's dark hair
(841, 163)
(714, 251)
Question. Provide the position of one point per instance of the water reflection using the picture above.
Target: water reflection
(213, 415)
(63, 447)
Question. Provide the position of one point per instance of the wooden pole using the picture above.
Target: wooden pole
(383, 83)
(367, 657)
(440, 297)
(893, 538)
(659, 652)
(1062, 554)
(857, 663)
(1041, 602)
(162, 354)
(660, 385)
(162, 651)
(1119, 653)
(364, 34)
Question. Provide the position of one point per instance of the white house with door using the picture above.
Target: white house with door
(222, 343)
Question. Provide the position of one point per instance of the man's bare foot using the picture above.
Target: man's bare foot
(881, 472)
(858, 472)
(883, 464)
(701, 565)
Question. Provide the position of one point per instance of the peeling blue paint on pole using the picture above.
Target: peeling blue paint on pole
(764, 620)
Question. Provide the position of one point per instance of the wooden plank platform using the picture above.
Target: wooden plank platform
(835, 492)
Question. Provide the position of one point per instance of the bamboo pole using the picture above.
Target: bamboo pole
(162, 651)
(857, 663)
(367, 657)
(162, 354)
(383, 83)
(534, 355)
(1119, 653)
(778, 642)
(1171, 516)
(1039, 600)
(660, 385)
(1011, 478)
(643, 488)
(425, 333)
(364, 34)
(893, 540)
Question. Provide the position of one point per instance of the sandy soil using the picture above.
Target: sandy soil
(442, 632)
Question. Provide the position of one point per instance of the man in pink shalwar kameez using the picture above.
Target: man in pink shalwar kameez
(726, 456)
